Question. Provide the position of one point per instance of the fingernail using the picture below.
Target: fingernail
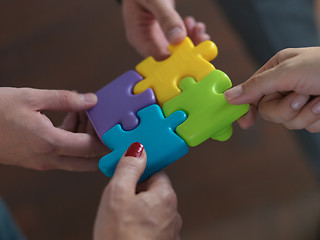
(316, 108)
(299, 101)
(233, 92)
(135, 150)
(89, 98)
(174, 34)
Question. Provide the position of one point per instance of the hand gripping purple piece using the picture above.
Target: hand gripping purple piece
(117, 104)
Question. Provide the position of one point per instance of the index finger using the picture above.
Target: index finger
(276, 75)
(76, 144)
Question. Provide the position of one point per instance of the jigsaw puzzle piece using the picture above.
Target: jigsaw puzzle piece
(209, 113)
(185, 60)
(157, 134)
(117, 104)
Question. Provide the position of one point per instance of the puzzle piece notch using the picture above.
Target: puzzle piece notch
(209, 114)
(185, 60)
(157, 134)
(117, 104)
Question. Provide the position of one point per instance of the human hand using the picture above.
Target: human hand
(29, 139)
(285, 90)
(144, 213)
(151, 25)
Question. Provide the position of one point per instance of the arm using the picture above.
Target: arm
(29, 139)
(285, 90)
(146, 212)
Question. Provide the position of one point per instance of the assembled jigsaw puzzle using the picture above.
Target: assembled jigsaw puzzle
(166, 106)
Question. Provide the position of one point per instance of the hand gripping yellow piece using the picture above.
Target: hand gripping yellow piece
(186, 60)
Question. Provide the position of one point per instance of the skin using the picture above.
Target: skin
(152, 25)
(146, 212)
(29, 139)
(285, 90)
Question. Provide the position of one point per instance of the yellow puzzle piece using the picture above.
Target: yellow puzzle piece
(186, 60)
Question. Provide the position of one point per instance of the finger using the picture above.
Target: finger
(129, 169)
(199, 28)
(76, 144)
(275, 76)
(170, 21)
(83, 122)
(314, 128)
(189, 23)
(268, 82)
(90, 129)
(63, 100)
(199, 33)
(281, 108)
(306, 117)
(70, 122)
(196, 31)
(159, 182)
(279, 58)
(159, 186)
(248, 120)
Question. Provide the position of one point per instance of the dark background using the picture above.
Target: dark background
(257, 185)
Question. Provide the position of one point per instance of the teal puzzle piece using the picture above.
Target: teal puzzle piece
(209, 114)
(157, 134)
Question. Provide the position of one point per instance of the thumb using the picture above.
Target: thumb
(130, 168)
(170, 21)
(63, 100)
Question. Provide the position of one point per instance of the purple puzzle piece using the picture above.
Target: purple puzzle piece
(117, 104)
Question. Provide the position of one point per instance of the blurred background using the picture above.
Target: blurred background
(257, 185)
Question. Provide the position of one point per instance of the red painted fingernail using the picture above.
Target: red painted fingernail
(135, 150)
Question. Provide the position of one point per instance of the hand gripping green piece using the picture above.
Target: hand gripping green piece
(209, 113)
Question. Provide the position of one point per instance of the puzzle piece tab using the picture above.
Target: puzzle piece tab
(163, 146)
(185, 60)
(209, 114)
(117, 104)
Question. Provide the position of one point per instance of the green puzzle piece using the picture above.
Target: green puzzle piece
(209, 113)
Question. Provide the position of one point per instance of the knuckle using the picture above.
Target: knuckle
(255, 79)
(169, 198)
(64, 97)
(28, 97)
(284, 53)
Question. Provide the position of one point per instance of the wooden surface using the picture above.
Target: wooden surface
(257, 185)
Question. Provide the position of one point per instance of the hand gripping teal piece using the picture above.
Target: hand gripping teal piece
(163, 146)
(209, 114)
